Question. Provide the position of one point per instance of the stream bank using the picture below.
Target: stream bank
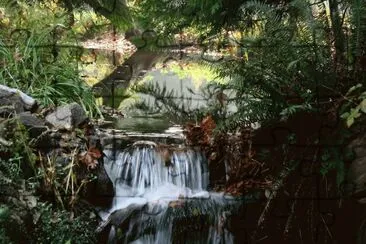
(74, 159)
(62, 142)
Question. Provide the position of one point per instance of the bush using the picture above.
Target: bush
(31, 62)
(52, 82)
(17, 158)
(56, 226)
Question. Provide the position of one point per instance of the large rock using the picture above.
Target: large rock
(100, 192)
(357, 171)
(13, 100)
(118, 217)
(67, 117)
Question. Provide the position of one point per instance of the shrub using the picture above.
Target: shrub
(32, 60)
(56, 226)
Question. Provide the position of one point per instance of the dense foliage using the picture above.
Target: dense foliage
(291, 56)
(286, 59)
(36, 62)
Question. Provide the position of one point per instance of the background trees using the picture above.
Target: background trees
(289, 55)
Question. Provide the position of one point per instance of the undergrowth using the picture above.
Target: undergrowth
(57, 226)
(29, 213)
(32, 60)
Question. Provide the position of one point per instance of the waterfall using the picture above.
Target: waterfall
(158, 195)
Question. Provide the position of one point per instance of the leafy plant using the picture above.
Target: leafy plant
(52, 83)
(63, 182)
(57, 226)
(35, 64)
(332, 159)
(17, 157)
(355, 104)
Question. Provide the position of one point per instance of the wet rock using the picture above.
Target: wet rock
(35, 125)
(144, 143)
(100, 192)
(13, 100)
(67, 117)
(176, 204)
(112, 139)
(119, 217)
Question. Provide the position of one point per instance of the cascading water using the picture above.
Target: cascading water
(157, 198)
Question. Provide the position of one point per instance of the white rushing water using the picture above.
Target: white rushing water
(150, 190)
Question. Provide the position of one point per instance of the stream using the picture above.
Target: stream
(164, 199)
(162, 192)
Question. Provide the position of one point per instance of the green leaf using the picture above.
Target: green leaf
(350, 121)
(355, 113)
(363, 106)
(353, 88)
